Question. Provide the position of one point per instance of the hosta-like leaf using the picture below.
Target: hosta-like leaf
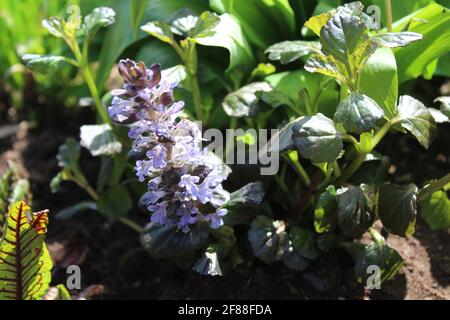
(417, 119)
(268, 238)
(25, 263)
(317, 139)
(358, 113)
(397, 208)
(288, 51)
(375, 254)
(242, 102)
(168, 242)
(325, 211)
(397, 39)
(328, 66)
(373, 171)
(244, 204)
(209, 263)
(435, 210)
(445, 105)
(356, 209)
(100, 140)
(42, 64)
(98, 18)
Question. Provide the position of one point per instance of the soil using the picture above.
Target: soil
(110, 254)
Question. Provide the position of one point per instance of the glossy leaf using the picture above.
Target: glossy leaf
(209, 264)
(435, 210)
(325, 211)
(317, 139)
(98, 18)
(168, 242)
(356, 209)
(193, 26)
(268, 238)
(25, 262)
(445, 105)
(242, 102)
(358, 113)
(417, 119)
(397, 39)
(303, 242)
(288, 51)
(316, 23)
(100, 140)
(328, 66)
(159, 30)
(397, 208)
(42, 64)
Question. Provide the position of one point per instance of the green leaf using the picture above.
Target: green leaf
(356, 209)
(373, 171)
(316, 23)
(209, 264)
(375, 254)
(417, 119)
(159, 30)
(325, 211)
(100, 140)
(69, 154)
(397, 208)
(328, 66)
(379, 80)
(288, 51)
(244, 204)
(244, 102)
(397, 39)
(435, 210)
(281, 140)
(438, 116)
(228, 34)
(137, 10)
(42, 64)
(413, 60)
(69, 212)
(317, 139)
(193, 26)
(358, 113)
(115, 202)
(25, 262)
(263, 69)
(268, 238)
(98, 18)
(445, 105)
(303, 242)
(168, 241)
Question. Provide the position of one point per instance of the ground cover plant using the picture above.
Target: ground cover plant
(221, 143)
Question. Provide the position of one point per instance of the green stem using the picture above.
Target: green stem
(433, 187)
(133, 225)
(377, 237)
(388, 6)
(292, 158)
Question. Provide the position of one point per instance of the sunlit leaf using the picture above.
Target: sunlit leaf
(99, 139)
(288, 51)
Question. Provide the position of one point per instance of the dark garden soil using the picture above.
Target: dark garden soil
(110, 253)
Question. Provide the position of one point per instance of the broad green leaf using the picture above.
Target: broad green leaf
(417, 119)
(100, 140)
(303, 242)
(325, 211)
(244, 101)
(358, 113)
(413, 60)
(317, 139)
(115, 202)
(375, 254)
(192, 26)
(445, 105)
(98, 18)
(42, 64)
(268, 238)
(316, 23)
(373, 171)
(356, 209)
(25, 263)
(168, 241)
(379, 80)
(263, 70)
(282, 140)
(209, 264)
(277, 98)
(435, 210)
(397, 208)
(137, 10)
(397, 39)
(244, 204)
(288, 51)
(159, 30)
(328, 66)
(57, 27)
(228, 34)
(69, 154)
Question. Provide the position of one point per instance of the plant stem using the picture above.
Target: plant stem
(377, 237)
(388, 5)
(292, 158)
(433, 187)
(133, 225)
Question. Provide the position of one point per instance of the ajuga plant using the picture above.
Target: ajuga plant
(349, 193)
(25, 263)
